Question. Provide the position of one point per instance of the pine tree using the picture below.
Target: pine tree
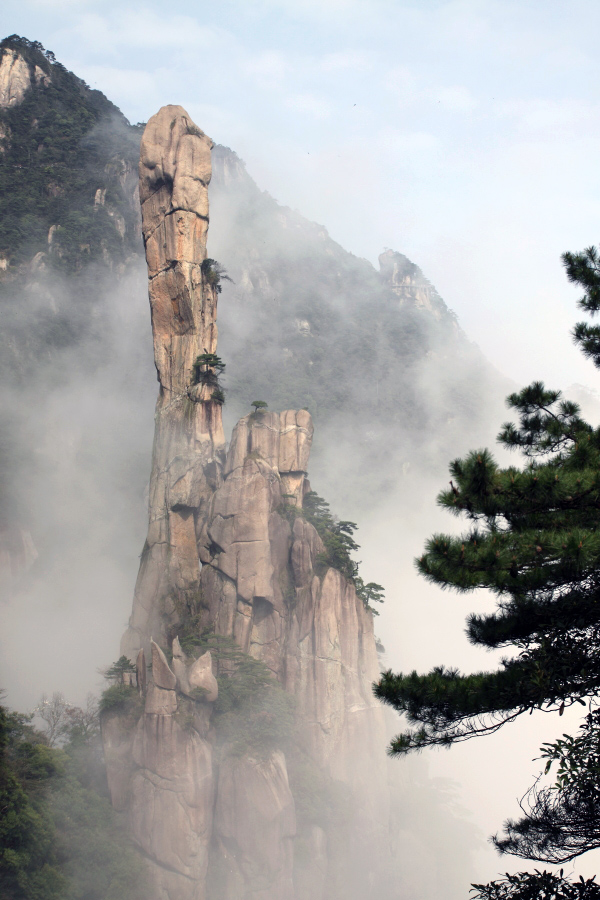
(562, 820)
(534, 541)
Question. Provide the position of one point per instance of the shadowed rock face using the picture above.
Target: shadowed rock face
(229, 553)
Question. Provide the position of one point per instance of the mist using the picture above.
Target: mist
(84, 435)
(81, 425)
(83, 428)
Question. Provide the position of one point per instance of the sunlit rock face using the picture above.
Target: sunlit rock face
(189, 441)
(15, 79)
(230, 554)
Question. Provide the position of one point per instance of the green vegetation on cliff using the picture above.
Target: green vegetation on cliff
(59, 837)
(252, 714)
(338, 543)
(66, 156)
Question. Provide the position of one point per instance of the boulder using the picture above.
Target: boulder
(160, 702)
(201, 677)
(161, 671)
(172, 805)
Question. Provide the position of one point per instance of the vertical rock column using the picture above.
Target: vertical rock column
(175, 172)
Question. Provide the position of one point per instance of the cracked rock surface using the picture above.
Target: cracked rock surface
(229, 553)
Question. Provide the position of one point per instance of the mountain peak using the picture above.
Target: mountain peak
(409, 284)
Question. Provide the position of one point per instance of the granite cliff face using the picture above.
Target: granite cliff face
(231, 559)
(189, 441)
(16, 78)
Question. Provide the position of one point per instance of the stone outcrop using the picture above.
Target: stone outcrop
(409, 284)
(16, 78)
(189, 442)
(255, 826)
(231, 554)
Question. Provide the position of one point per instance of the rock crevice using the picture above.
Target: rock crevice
(230, 555)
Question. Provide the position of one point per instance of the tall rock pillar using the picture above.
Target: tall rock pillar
(175, 172)
(243, 796)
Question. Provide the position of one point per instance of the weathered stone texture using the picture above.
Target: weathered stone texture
(172, 804)
(174, 175)
(255, 824)
(201, 678)
(229, 550)
(15, 79)
(174, 178)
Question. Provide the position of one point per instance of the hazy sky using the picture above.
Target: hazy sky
(465, 134)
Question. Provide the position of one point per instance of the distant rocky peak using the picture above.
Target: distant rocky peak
(228, 169)
(409, 284)
(17, 76)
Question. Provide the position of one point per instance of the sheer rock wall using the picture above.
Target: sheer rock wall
(189, 440)
(16, 77)
(227, 542)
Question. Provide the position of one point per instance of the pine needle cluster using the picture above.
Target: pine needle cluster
(534, 541)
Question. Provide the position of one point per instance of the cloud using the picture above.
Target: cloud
(309, 104)
(455, 99)
(410, 90)
(549, 115)
(407, 143)
(268, 70)
(132, 84)
(343, 60)
(141, 29)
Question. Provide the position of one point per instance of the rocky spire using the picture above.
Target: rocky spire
(230, 555)
(175, 170)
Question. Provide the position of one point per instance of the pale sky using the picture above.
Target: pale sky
(465, 134)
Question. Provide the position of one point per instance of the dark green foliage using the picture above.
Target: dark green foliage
(561, 821)
(118, 696)
(369, 593)
(318, 799)
(252, 714)
(28, 860)
(192, 637)
(537, 886)
(259, 405)
(64, 142)
(208, 367)
(59, 837)
(116, 671)
(335, 534)
(584, 269)
(339, 543)
(535, 542)
(214, 273)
